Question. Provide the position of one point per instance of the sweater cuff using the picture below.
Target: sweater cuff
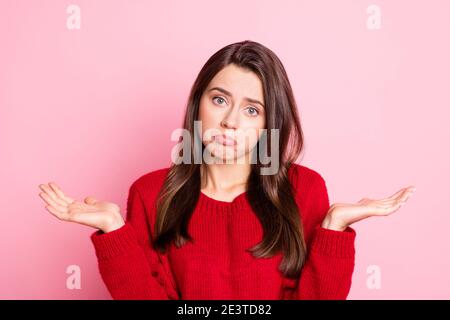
(114, 243)
(339, 244)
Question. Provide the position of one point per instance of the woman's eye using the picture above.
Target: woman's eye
(219, 99)
(253, 111)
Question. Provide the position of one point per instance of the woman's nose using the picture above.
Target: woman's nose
(231, 121)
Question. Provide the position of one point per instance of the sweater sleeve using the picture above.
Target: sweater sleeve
(128, 265)
(327, 272)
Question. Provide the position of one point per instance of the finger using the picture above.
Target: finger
(405, 192)
(56, 213)
(396, 195)
(47, 190)
(395, 206)
(401, 200)
(53, 203)
(405, 195)
(60, 193)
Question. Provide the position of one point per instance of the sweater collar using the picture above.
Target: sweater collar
(211, 204)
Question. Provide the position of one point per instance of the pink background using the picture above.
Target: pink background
(92, 109)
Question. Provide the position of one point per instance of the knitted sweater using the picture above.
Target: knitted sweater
(216, 265)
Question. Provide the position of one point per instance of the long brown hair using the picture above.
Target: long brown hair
(270, 196)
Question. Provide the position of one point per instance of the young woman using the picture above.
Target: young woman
(230, 228)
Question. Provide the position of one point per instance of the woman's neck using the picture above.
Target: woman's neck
(224, 178)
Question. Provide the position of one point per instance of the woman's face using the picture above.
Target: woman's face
(232, 105)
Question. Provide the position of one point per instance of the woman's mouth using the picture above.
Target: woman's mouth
(224, 140)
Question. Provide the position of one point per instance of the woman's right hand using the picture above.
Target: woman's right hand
(104, 216)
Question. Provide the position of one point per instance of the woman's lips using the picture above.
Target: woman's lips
(226, 141)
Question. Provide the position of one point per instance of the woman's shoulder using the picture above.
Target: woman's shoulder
(304, 177)
(151, 181)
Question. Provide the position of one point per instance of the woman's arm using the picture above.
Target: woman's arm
(129, 266)
(327, 272)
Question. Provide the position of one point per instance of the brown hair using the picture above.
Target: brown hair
(270, 196)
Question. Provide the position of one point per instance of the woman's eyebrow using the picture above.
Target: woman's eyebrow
(228, 93)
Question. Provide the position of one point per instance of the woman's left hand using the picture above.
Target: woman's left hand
(342, 215)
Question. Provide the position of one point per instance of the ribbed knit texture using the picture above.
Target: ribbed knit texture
(217, 265)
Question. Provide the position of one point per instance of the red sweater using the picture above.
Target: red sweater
(216, 265)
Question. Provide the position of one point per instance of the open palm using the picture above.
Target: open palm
(341, 215)
(92, 212)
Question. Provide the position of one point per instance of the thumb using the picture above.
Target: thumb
(90, 200)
